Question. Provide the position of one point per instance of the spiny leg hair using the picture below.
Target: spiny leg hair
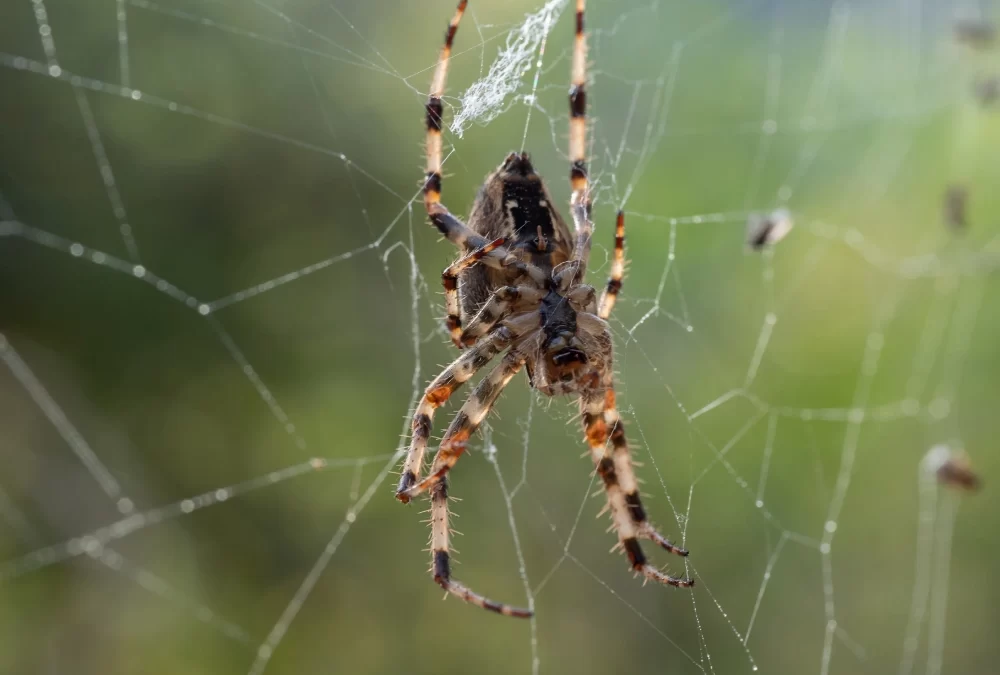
(601, 422)
(437, 393)
(468, 419)
(435, 111)
(617, 270)
(450, 226)
(449, 279)
(503, 300)
(580, 203)
(441, 562)
(462, 427)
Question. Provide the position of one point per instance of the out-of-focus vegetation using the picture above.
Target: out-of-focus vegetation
(302, 144)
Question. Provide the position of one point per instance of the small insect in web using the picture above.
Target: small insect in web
(956, 199)
(518, 289)
(768, 229)
(978, 33)
(951, 467)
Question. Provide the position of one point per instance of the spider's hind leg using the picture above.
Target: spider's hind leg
(601, 423)
(441, 560)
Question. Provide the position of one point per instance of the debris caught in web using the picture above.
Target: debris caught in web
(768, 229)
(951, 467)
(978, 33)
(484, 100)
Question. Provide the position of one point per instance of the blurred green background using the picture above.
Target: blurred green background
(250, 140)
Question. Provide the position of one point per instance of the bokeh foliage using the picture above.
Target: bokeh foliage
(254, 184)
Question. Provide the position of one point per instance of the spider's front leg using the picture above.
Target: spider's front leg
(602, 423)
(451, 227)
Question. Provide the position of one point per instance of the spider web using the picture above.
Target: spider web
(220, 300)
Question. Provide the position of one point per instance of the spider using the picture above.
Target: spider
(518, 289)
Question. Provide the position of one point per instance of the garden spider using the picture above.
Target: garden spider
(520, 277)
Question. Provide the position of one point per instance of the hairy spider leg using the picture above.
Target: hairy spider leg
(437, 393)
(468, 419)
(580, 203)
(602, 423)
(435, 110)
(462, 427)
(578, 110)
(441, 562)
(449, 279)
(614, 286)
(501, 303)
(494, 255)
(453, 229)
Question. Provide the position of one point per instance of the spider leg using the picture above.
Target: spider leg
(628, 481)
(566, 280)
(583, 298)
(439, 391)
(449, 279)
(578, 110)
(617, 270)
(441, 563)
(451, 227)
(496, 256)
(497, 307)
(435, 110)
(601, 423)
(468, 419)
(580, 203)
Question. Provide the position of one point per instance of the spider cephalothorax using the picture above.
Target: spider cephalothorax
(518, 290)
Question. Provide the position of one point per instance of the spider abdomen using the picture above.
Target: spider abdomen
(515, 204)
